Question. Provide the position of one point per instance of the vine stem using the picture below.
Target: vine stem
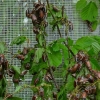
(56, 85)
(66, 44)
(59, 29)
(48, 64)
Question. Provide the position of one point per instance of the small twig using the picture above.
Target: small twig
(54, 79)
(51, 73)
(62, 11)
(48, 3)
(7, 96)
(66, 77)
(59, 29)
(48, 64)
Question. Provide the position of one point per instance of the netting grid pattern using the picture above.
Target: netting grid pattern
(13, 22)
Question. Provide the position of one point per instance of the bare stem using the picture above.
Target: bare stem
(54, 79)
(62, 11)
(48, 3)
(48, 64)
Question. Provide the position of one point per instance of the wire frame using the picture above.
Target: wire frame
(13, 22)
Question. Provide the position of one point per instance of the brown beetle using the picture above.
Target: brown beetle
(88, 65)
(20, 57)
(16, 80)
(89, 24)
(25, 51)
(90, 78)
(28, 14)
(75, 68)
(10, 72)
(41, 15)
(44, 57)
(1, 58)
(34, 97)
(1, 75)
(27, 66)
(41, 92)
(96, 73)
(75, 97)
(84, 95)
(90, 89)
(80, 56)
(54, 95)
(34, 19)
(36, 30)
(36, 81)
(5, 64)
(23, 73)
(70, 26)
(36, 5)
(80, 81)
(55, 9)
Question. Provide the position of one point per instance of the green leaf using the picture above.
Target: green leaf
(18, 88)
(61, 40)
(62, 94)
(91, 52)
(94, 25)
(70, 41)
(97, 38)
(3, 47)
(65, 53)
(19, 40)
(56, 47)
(55, 58)
(90, 12)
(58, 14)
(16, 69)
(28, 56)
(68, 87)
(81, 4)
(96, 47)
(40, 38)
(38, 54)
(94, 63)
(85, 42)
(98, 91)
(14, 98)
(36, 67)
